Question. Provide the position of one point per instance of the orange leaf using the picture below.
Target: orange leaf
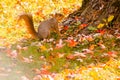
(65, 11)
(92, 47)
(72, 43)
(118, 78)
(40, 14)
(90, 38)
(82, 26)
(101, 31)
(45, 72)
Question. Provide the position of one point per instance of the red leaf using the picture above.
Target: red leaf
(42, 72)
(66, 28)
(45, 72)
(101, 31)
(112, 54)
(71, 57)
(83, 25)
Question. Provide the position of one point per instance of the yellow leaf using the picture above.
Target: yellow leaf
(100, 25)
(94, 75)
(43, 48)
(110, 18)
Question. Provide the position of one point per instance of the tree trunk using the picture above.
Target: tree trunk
(95, 12)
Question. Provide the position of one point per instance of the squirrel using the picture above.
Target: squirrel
(45, 27)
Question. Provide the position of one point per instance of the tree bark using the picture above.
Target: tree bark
(94, 12)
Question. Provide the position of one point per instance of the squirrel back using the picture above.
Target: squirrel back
(45, 27)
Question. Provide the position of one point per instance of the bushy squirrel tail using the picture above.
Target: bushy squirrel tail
(29, 23)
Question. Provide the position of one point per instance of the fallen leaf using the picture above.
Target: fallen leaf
(24, 78)
(25, 48)
(92, 47)
(100, 25)
(110, 18)
(40, 14)
(46, 66)
(91, 28)
(112, 54)
(27, 60)
(65, 11)
(72, 43)
(82, 26)
(60, 44)
(78, 54)
(37, 77)
(118, 78)
(76, 18)
(45, 72)
(71, 57)
(89, 38)
(66, 28)
(118, 36)
(42, 58)
(94, 74)
(12, 54)
(87, 51)
(101, 31)
(81, 60)
(102, 46)
(19, 47)
(43, 48)
(60, 55)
